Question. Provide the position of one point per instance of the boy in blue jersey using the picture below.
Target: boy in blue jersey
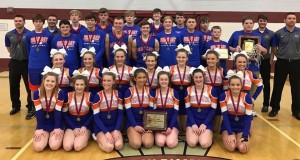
(193, 38)
(38, 43)
(143, 44)
(92, 37)
(69, 42)
(52, 22)
(179, 19)
(168, 41)
(103, 24)
(248, 24)
(156, 26)
(75, 17)
(117, 37)
(129, 27)
(216, 42)
(204, 24)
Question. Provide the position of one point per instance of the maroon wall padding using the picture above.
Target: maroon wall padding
(215, 16)
(4, 64)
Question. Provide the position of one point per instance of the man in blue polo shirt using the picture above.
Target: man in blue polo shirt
(286, 47)
(265, 64)
(18, 65)
(52, 22)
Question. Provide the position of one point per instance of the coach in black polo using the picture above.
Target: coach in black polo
(18, 65)
(286, 47)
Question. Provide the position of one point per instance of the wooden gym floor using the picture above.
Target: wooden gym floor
(273, 138)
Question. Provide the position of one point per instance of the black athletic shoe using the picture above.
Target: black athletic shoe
(273, 113)
(265, 109)
(297, 116)
(14, 111)
(30, 115)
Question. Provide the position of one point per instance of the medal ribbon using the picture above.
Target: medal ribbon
(119, 40)
(48, 104)
(138, 96)
(212, 81)
(181, 79)
(161, 99)
(65, 45)
(111, 99)
(40, 38)
(145, 44)
(91, 38)
(216, 43)
(236, 109)
(120, 77)
(19, 36)
(199, 101)
(156, 29)
(191, 40)
(62, 77)
(168, 39)
(90, 76)
(76, 30)
(80, 106)
(151, 81)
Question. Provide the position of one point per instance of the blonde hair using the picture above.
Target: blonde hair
(129, 13)
(168, 17)
(42, 88)
(74, 11)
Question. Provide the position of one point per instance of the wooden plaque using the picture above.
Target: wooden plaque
(247, 43)
(155, 120)
(223, 53)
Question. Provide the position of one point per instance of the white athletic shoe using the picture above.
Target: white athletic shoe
(254, 114)
(94, 136)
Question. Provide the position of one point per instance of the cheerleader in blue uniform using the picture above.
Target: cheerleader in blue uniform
(48, 101)
(78, 114)
(236, 107)
(137, 100)
(180, 80)
(241, 61)
(58, 61)
(108, 114)
(123, 76)
(201, 104)
(94, 79)
(166, 99)
(152, 69)
(215, 76)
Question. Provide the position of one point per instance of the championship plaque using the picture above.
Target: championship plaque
(248, 44)
(155, 120)
(223, 53)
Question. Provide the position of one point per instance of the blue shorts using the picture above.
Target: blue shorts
(35, 78)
